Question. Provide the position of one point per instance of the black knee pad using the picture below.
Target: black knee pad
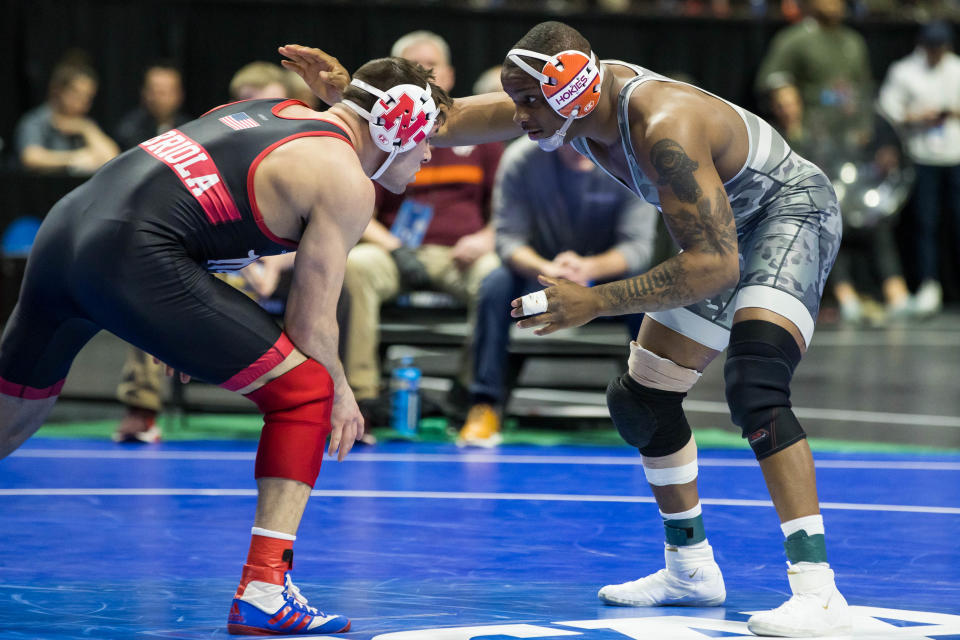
(651, 420)
(761, 359)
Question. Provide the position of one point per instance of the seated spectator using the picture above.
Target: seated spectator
(921, 94)
(259, 80)
(298, 89)
(161, 98)
(488, 81)
(555, 214)
(58, 136)
(454, 254)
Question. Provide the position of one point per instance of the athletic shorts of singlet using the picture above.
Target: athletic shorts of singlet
(785, 257)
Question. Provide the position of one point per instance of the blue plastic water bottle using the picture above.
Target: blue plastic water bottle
(405, 397)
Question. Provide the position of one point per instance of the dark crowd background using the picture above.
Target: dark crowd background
(715, 44)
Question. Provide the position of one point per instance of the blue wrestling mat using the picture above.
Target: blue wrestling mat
(427, 542)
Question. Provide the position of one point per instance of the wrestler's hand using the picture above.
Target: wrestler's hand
(184, 378)
(347, 423)
(568, 305)
(323, 73)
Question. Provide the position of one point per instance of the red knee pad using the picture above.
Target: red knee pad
(296, 422)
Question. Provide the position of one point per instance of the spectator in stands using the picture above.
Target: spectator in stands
(59, 135)
(488, 81)
(559, 215)
(161, 98)
(827, 62)
(921, 94)
(141, 393)
(298, 89)
(259, 80)
(456, 251)
(818, 82)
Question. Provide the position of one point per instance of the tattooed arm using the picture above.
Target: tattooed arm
(697, 214)
(676, 155)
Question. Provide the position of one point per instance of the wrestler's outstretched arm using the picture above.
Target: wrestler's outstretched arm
(471, 120)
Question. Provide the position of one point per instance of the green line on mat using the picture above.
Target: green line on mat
(247, 427)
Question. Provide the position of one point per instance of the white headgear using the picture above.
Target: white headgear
(401, 117)
(570, 82)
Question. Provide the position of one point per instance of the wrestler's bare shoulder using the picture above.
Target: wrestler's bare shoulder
(318, 169)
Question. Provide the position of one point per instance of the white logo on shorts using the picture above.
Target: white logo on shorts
(232, 264)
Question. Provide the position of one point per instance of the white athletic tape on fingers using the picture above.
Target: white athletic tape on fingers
(534, 303)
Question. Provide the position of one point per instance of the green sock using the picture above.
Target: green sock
(803, 548)
(684, 532)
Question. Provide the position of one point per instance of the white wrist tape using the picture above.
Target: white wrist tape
(534, 303)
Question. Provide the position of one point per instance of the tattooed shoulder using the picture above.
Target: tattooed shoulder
(675, 168)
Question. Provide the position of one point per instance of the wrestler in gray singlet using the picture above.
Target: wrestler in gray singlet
(788, 228)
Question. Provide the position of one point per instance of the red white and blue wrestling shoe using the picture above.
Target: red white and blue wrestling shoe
(263, 608)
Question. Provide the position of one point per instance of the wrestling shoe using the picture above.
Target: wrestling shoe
(691, 579)
(815, 609)
(267, 609)
(481, 429)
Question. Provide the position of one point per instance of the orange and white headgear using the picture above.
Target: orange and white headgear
(401, 117)
(570, 82)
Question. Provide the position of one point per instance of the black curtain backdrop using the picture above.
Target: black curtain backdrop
(210, 39)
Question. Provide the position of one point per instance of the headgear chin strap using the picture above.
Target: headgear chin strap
(570, 82)
(402, 117)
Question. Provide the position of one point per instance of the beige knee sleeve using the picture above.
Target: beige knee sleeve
(655, 372)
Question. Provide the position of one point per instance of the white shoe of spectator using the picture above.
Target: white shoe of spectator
(816, 608)
(929, 298)
(691, 579)
(901, 311)
(851, 312)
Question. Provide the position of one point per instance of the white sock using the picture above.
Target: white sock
(812, 525)
(267, 533)
(684, 515)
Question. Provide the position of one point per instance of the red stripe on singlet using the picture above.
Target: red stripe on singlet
(274, 356)
(197, 171)
(8, 388)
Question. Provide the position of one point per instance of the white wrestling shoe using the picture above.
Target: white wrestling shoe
(691, 579)
(815, 609)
